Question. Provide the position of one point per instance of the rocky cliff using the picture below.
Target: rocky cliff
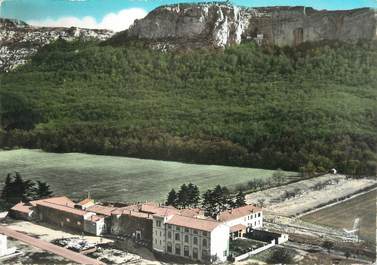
(219, 25)
(18, 40)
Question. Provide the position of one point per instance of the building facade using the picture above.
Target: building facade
(191, 237)
(241, 220)
(185, 233)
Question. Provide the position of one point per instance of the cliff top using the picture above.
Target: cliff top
(268, 9)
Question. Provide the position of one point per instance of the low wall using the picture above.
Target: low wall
(267, 236)
(254, 252)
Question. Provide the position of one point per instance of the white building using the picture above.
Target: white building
(241, 220)
(191, 237)
(4, 250)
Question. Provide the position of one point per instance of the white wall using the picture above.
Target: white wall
(251, 220)
(220, 242)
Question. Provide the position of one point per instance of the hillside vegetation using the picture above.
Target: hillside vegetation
(308, 108)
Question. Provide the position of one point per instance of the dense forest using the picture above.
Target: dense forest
(312, 107)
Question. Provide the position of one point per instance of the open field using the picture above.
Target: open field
(119, 178)
(306, 195)
(342, 215)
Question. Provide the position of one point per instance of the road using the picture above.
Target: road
(335, 254)
(63, 252)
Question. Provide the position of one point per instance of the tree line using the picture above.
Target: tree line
(213, 201)
(16, 190)
(308, 108)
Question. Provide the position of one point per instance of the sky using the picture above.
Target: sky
(118, 15)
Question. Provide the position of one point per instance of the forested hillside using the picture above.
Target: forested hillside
(307, 108)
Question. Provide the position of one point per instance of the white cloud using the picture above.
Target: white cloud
(113, 21)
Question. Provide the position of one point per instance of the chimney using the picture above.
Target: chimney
(217, 217)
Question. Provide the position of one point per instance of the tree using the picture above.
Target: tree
(172, 198)
(328, 245)
(183, 196)
(240, 199)
(208, 204)
(7, 187)
(281, 255)
(16, 189)
(43, 190)
(193, 195)
(216, 200)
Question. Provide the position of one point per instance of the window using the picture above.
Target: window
(205, 233)
(195, 240)
(204, 254)
(176, 236)
(155, 241)
(186, 230)
(160, 233)
(195, 253)
(195, 232)
(186, 238)
(258, 214)
(160, 242)
(177, 228)
(158, 223)
(251, 216)
(177, 249)
(204, 242)
(186, 251)
(169, 234)
(169, 248)
(169, 226)
(225, 253)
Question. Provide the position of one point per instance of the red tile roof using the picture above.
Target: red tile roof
(236, 228)
(86, 201)
(158, 210)
(56, 200)
(195, 223)
(100, 209)
(22, 208)
(237, 213)
(62, 208)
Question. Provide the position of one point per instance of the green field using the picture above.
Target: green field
(119, 178)
(343, 215)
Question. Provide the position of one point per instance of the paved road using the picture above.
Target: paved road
(66, 253)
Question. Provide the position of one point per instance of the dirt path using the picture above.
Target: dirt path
(68, 254)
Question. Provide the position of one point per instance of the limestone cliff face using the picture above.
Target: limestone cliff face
(219, 25)
(19, 41)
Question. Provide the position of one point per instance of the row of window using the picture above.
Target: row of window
(177, 237)
(185, 229)
(186, 251)
(251, 216)
(186, 238)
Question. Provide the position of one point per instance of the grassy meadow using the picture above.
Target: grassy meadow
(119, 178)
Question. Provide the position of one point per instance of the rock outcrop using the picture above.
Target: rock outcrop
(220, 25)
(19, 41)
